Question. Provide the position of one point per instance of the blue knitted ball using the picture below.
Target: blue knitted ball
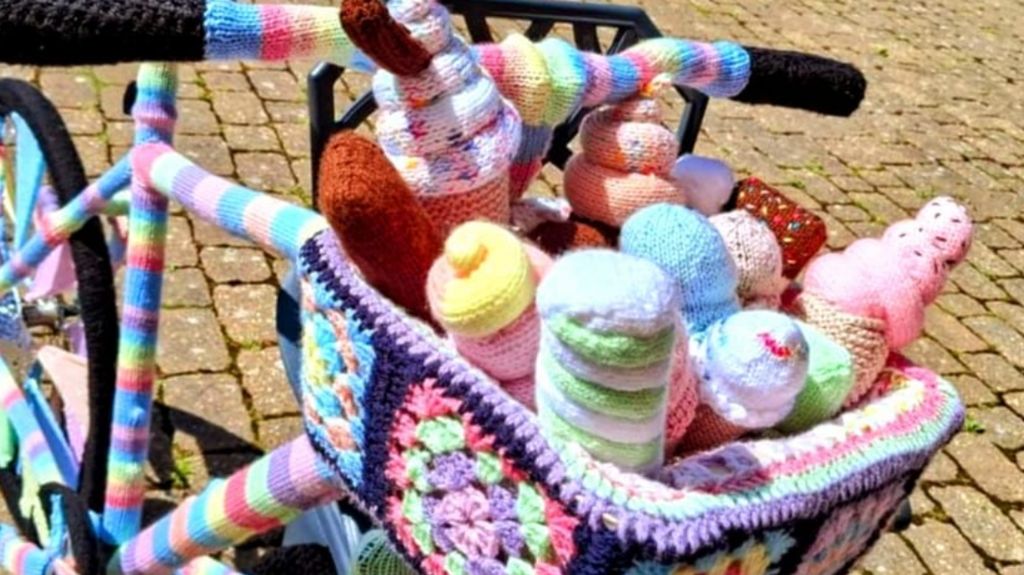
(687, 247)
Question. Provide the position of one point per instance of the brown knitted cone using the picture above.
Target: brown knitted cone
(372, 29)
(382, 227)
(557, 238)
(863, 337)
(707, 431)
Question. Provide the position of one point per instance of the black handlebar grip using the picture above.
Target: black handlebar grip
(803, 81)
(82, 32)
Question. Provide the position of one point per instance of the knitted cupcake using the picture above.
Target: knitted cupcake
(801, 234)
(625, 164)
(609, 327)
(708, 182)
(757, 256)
(481, 291)
(738, 358)
(829, 380)
(385, 233)
(885, 284)
(442, 121)
(750, 369)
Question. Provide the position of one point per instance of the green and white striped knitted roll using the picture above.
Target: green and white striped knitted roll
(610, 322)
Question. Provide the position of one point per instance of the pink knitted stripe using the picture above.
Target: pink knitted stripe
(278, 41)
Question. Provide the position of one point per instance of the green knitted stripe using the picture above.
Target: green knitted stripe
(631, 405)
(612, 349)
(634, 455)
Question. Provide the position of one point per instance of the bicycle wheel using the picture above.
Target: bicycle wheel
(36, 134)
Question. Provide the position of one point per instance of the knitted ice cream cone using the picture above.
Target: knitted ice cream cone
(750, 368)
(610, 324)
(894, 278)
(707, 182)
(481, 290)
(757, 256)
(442, 121)
(625, 164)
(829, 380)
(385, 233)
(801, 234)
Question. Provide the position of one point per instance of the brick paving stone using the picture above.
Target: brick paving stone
(989, 263)
(995, 372)
(275, 85)
(848, 213)
(1015, 401)
(1014, 287)
(83, 121)
(94, 154)
(880, 207)
(295, 138)
(68, 89)
(247, 312)
(288, 112)
(981, 522)
(1013, 227)
(975, 284)
(238, 108)
(948, 330)
(994, 236)
(1014, 257)
(180, 250)
(209, 152)
(186, 287)
(944, 550)
(214, 416)
(225, 81)
(1006, 340)
(196, 117)
(892, 556)
(276, 432)
(920, 503)
(960, 305)
(251, 139)
(926, 351)
(191, 340)
(227, 265)
(1012, 314)
(942, 469)
(264, 172)
(264, 380)
(973, 392)
(1012, 570)
(988, 467)
(123, 133)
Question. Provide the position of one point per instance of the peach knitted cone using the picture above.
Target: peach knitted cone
(892, 279)
(442, 121)
(625, 164)
(384, 231)
(481, 291)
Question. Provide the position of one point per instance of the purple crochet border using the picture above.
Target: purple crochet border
(505, 419)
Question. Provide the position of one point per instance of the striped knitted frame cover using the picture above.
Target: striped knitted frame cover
(469, 483)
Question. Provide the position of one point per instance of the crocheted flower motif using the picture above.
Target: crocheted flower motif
(458, 505)
(337, 360)
(759, 555)
(849, 530)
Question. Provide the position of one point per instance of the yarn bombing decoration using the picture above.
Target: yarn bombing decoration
(801, 234)
(442, 121)
(457, 505)
(759, 555)
(757, 256)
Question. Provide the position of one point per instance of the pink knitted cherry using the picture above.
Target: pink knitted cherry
(625, 164)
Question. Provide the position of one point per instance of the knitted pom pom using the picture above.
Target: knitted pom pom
(829, 381)
(624, 165)
(618, 314)
(383, 229)
(685, 244)
(707, 182)
(757, 256)
(801, 234)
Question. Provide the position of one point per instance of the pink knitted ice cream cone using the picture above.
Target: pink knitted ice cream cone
(443, 124)
(482, 292)
(894, 278)
(757, 256)
(625, 164)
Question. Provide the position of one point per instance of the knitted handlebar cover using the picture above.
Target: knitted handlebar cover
(463, 480)
(267, 494)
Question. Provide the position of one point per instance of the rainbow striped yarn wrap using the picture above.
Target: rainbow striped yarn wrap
(20, 556)
(551, 80)
(31, 438)
(269, 493)
(136, 362)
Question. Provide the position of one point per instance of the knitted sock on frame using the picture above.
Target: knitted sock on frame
(481, 290)
(384, 231)
(610, 323)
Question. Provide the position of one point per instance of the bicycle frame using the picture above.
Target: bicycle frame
(293, 477)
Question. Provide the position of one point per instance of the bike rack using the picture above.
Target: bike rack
(631, 25)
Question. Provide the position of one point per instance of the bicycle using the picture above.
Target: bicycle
(410, 364)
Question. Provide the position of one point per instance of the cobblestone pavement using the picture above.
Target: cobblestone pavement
(943, 115)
